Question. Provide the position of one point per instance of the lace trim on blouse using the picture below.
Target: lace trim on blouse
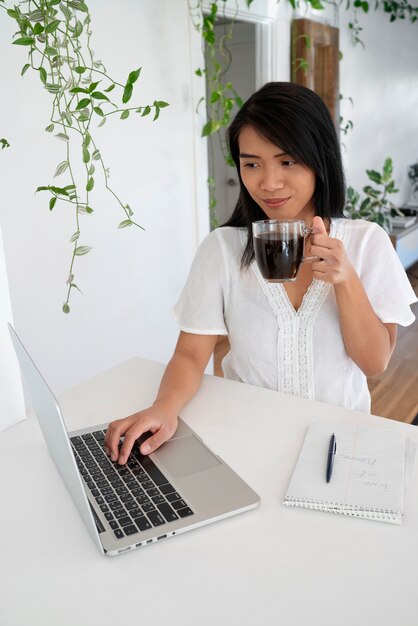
(295, 331)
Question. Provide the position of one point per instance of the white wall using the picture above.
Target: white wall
(12, 406)
(131, 279)
(382, 79)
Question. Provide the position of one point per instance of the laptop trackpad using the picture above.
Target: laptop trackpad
(186, 455)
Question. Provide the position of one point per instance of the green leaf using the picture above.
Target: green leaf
(67, 13)
(83, 104)
(61, 168)
(78, 6)
(371, 191)
(74, 286)
(99, 111)
(93, 86)
(50, 51)
(210, 127)
(57, 190)
(75, 236)
(125, 114)
(111, 88)
(25, 69)
(49, 128)
(43, 74)
(365, 204)
(38, 29)
(80, 69)
(90, 184)
(81, 250)
(97, 95)
(13, 14)
(103, 121)
(374, 176)
(65, 307)
(146, 111)
(52, 202)
(133, 76)
(388, 167)
(52, 26)
(24, 41)
(86, 155)
(67, 116)
(35, 16)
(125, 223)
(161, 104)
(88, 209)
(316, 4)
(79, 90)
(91, 170)
(96, 155)
(127, 93)
(78, 29)
(52, 88)
(62, 136)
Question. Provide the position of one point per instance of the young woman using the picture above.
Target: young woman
(318, 337)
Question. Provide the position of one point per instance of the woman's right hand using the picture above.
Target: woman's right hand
(154, 419)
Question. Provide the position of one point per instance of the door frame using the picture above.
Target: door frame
(266, 35)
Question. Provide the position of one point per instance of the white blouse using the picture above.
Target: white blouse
(297, 352)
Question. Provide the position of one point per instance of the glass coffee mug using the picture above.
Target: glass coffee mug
(279, 247)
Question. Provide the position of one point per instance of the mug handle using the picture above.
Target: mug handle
(306, 259)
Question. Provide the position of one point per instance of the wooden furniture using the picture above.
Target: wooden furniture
(272, 565)
(315, 61)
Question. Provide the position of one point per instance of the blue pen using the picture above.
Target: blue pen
(331, 456)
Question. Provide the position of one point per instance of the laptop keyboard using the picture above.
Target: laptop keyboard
(133, 497)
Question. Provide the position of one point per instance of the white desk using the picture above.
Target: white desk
(273, 565)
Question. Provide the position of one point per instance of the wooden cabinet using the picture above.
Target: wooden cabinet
(315, 61)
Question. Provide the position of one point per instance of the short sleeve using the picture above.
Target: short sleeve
(385, 280)
(200, 308)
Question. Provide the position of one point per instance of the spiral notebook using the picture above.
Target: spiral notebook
(368, 478)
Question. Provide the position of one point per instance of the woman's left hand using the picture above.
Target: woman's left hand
(333, 265)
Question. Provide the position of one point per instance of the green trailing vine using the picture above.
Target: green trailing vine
(221, 98)
(57, 34)
(345, 125)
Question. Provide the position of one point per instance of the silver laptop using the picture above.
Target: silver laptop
(182, 486)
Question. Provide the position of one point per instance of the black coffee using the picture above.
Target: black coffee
(278, 258)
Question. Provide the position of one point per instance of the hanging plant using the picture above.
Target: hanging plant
(57, 34)
(222, 97)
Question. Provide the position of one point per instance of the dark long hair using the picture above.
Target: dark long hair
(295, 119)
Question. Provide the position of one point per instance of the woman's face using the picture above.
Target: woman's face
(281, 186)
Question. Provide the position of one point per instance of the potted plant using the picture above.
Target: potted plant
(376, 206)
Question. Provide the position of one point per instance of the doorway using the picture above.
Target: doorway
(241, 72)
